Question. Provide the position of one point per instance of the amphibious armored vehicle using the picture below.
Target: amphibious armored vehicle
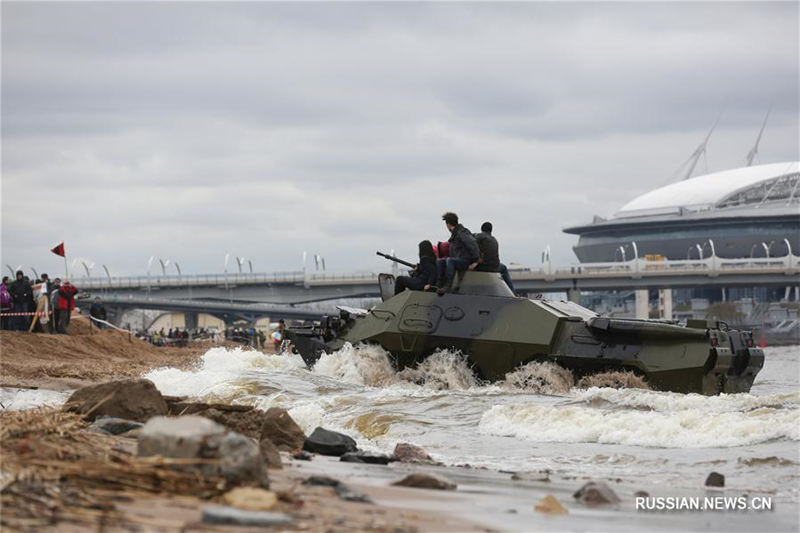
(498, 332)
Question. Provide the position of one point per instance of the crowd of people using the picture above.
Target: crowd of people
(464, 250)
(46, 304)
(176, 336)
(249, 336)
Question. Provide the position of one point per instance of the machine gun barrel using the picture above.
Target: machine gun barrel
(396, 260)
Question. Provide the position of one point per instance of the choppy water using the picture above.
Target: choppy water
(535, 419)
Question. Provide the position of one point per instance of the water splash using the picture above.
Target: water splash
(617, 379)
(220, 374)
(358, 365)
(442, 370)
(539, 377)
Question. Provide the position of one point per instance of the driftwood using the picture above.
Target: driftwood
(54, 471)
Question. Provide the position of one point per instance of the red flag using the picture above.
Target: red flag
(59, 250)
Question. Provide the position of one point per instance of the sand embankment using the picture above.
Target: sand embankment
(86, 355)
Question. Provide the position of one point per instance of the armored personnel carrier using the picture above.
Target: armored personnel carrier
(498, 332)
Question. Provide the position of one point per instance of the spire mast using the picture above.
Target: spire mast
(754, 150)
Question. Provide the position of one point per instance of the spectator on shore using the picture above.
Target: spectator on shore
(5, 303)
(54, 320)
(66, 303)
(22, 298)
(98, 311)
(277, 335)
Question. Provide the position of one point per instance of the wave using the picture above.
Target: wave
(220, 374)
(694, 427)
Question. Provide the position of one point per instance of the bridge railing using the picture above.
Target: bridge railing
(632, 267)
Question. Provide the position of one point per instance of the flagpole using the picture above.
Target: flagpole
(66, 270)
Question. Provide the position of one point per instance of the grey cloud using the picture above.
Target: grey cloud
(267, 129)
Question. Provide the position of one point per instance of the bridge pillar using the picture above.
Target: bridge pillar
(190, 319)
(642, 303)
(665, 303)
(574, 295)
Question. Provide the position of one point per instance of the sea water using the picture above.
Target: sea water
(537, 418)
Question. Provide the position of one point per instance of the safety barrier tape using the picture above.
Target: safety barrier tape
(40, 313)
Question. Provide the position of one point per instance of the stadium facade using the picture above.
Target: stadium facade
(752, 211)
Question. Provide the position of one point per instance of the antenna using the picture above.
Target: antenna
(754, 150)
(699, 152)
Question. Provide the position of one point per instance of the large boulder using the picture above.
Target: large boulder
(238, 458)
(132, 399)
(280, 429)
(328, 442)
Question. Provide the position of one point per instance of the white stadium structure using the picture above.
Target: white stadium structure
(752, 211)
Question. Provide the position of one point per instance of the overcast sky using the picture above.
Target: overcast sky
(192, 130)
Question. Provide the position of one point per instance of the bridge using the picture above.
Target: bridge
(304, 294)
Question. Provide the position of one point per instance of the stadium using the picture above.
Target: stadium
(752, 211)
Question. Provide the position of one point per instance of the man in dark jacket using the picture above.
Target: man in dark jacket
(490, 254)
(464, 251)
(22, 298)
(424, 274)
(98, 311)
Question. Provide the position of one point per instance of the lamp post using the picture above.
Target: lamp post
(149, 264)
(108, 275)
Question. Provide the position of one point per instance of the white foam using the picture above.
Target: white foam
(308, 416)
(219, 373)
(686, 428)
(673, 401)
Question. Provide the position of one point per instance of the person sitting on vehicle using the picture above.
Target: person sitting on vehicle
(490, 254)
(424, 274)
(464, 252)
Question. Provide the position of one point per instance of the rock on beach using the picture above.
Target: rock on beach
(425, 481)
(410, 453)
(326, 442)
(132, 399)
(596, 493)
(280, 429)
(193, 437)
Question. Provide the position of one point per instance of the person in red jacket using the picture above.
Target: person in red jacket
(66, 303)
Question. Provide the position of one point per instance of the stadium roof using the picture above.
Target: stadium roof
(709, 191)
